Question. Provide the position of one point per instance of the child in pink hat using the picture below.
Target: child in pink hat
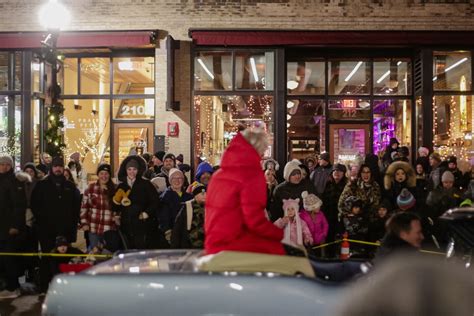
(296, 231)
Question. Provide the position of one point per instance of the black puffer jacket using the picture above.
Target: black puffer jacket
(287, 190)
(12, 204)
(56, 205)
(331, 196)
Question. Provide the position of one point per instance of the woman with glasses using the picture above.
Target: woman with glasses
(365, 188)
(171, 201)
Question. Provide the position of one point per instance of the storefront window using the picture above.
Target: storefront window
(453, 119)
(254, 71)
(306, 128)
(95, 76)
(306, 77)
(36, 81)
(452, 71)
(10, 126)
(134, 75)
(392, 76)
(87, 130)
(4, 71)
(213, 71)
(17, 79)
(90, 122)
(349, 77)
(8, 60)
(392, 118)
(134, 109)
(70, 76)
(219, 118)
(349, 109)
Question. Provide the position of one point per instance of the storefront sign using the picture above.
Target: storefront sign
(132, 110)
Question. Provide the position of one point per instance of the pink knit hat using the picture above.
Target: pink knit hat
(287, 203)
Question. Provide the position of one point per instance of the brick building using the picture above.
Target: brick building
(321, 75)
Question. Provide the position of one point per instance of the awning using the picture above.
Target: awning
(333, 38)
(78, 39)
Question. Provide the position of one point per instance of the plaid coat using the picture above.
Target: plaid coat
(96, 210)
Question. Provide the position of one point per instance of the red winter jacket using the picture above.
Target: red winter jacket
(235, 205)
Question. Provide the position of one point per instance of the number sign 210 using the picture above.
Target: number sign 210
(132, 110)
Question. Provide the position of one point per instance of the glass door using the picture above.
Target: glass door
(347, 141)
(131, 139)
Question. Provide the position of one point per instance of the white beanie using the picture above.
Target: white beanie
(6, 160)
(447, 176)
(290, 167)
(174, 172)
(310, 201)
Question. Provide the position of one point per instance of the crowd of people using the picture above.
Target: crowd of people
(152, 204)
(358, 199)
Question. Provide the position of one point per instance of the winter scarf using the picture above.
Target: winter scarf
(297, 221)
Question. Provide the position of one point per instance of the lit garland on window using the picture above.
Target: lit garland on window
(54, 134)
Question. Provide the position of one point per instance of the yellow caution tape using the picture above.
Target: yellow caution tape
(377, 244)
(363, 242)
(40, 254)
(327, 244)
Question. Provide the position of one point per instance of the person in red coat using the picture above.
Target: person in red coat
(236, 200)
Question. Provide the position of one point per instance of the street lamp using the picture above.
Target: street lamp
(53, 16)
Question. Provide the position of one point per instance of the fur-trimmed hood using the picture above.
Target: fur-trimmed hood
(390, 174)
(266, 161)
(23, 177)
(122, 173)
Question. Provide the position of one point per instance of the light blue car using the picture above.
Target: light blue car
(182, 282)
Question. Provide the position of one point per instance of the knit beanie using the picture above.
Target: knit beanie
(310, 201)
(132, 163)
(324, 156)
(174, 172)
(447, 176)
(198, 189)
(30, 165)
(339, 167)
(294, 203)
(405, 200)
(180, 158)
(6, 160)
(61, 241)
(452, 159)
(169, 156)
(104, 167)
(57, 162)
(75, 156)
(290, 167)
(159, 154)
(423, 151)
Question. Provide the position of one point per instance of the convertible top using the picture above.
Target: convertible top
(248, 262)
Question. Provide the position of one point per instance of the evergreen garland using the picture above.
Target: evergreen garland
(53, 135)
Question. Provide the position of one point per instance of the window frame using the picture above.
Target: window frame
(241, 92)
